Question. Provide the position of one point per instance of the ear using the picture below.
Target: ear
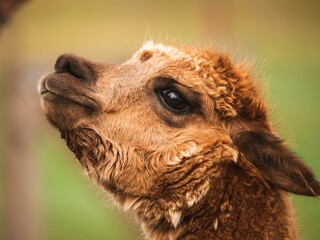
(276, 163)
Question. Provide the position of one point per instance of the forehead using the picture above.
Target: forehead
(185, 65)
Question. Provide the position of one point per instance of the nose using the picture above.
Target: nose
(75, 66)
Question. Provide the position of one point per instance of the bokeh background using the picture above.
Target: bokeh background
(43, 193)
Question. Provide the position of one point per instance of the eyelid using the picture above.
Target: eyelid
(164, 83)
(180, 93)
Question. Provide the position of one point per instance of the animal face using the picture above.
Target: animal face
(131, 124)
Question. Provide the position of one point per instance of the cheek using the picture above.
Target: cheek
(139, 128)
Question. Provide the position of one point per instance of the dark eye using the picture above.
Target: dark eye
(173, 100)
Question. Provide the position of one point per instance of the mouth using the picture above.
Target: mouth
(56, 89)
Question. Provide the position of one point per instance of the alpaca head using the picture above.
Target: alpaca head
(134, 124)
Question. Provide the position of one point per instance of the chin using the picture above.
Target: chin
(62, 113)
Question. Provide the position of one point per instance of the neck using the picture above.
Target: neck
(234, 205)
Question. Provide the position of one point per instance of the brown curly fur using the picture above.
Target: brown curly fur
(217, 171)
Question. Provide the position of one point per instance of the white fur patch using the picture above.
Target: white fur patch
(215, 224)
(175, 217)
(196, 195)
(168, 50)
(191, 199)
(174, 160)
(130, 204)
(192, 150)
(235, 156)
(186, 153)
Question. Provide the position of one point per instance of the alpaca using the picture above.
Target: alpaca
(182, 138)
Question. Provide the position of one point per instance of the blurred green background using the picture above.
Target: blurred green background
(43, 193)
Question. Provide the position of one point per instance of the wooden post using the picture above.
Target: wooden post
(19, 187)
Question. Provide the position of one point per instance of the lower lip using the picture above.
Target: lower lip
(50, 96)
(44, 92)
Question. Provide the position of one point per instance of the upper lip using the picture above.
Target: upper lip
(68, 93)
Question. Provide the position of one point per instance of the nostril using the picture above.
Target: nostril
(68, 68)
(75, 66)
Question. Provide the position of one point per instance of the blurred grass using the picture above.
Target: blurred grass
(2, 157)
(284, 36)
(295, 89)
